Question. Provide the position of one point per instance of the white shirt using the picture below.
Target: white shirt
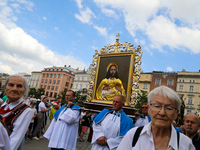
(142, 121)
(63, 132)
(108, 127)
(146, 142)
(20, 125)
(41, 105)
(4, 139)
(34, 113)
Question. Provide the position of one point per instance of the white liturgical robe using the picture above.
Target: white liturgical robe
(110, 128)
(62, 133)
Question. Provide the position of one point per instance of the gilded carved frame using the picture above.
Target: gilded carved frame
(116, 50)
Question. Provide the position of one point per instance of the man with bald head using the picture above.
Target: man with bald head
(191, 125)
(15, 112)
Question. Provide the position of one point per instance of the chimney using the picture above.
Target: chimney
(69, 65)
(64, 65)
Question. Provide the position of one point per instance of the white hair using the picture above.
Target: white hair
(167, 93)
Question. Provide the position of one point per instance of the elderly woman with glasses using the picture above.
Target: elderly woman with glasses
(159, 134)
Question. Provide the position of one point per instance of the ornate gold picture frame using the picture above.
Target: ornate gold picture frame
(127, 60)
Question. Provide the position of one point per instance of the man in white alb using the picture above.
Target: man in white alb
(110, 125)
(63, 130)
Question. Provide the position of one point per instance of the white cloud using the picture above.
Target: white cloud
(28, 4)
(102, 31)
(6, 11)
(56, 28)
(169, 69)
(44, 18)
(22, 52)
(85, 15)
(79, 3)
(166, 23)
(109, 12)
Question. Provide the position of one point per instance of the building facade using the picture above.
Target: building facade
(163, 78)
(56, 79)
(35, 79)
(188, 86)
(3, 79)
(145, 81)
(26, 76)
(82, 80)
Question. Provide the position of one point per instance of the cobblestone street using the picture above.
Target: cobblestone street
(42, 144)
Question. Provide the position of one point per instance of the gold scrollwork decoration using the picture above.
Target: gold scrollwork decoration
(119, 48)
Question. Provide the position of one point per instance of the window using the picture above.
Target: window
(179, 80)
(60, 75)
(56, 88)
(45, 86)
(52, 88)
(41, 86)
(190, 81)
(54, 81)
(58, 82)
(38, 78)
(158, 81)
(190, 100)
(189, 111)
(183, 80)
(36, 84)
(193, 81)
(47, 75)
(55, 75)
(170, 82)
(44, 75)
(55, 95)
(85, 79)
(47, 93)
(80, 78)
(71, 86)
(68, 78)
(86, 86)
(180, 87)
(46, 81)
(48, 87)
(81, 86)
(51, 75)
(199, 100)
(42, 80)
(76, 86)
(67, 84)
(72, 79)
(33, 84)
(50, 81)
(191, 88)
(145, 86)
(51, 94)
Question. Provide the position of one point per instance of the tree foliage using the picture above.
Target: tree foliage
(142, 98)
(37, 93)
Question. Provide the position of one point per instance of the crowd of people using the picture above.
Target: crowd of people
(110, 129)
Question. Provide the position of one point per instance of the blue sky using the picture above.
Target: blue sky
(42, 33)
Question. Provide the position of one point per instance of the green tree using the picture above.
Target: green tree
(37, 93)
(142, 98)
(62, 95)
(80, 99)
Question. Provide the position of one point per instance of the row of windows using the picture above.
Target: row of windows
(81, 86)
(191, 88)
(191, 81)
(52, 75)
(190, 100)
(51, 94)
(33, 84)
(58, 69)
(35, 77)
(169, 82)
(82, 78)
(50, 81)
(52, 87)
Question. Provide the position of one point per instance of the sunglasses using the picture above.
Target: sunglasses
(144, 107)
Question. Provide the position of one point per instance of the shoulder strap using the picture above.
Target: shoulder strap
(136, 136)
(178, 137)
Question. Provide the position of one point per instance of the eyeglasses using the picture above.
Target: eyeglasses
(158, 107)
(144, 107)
